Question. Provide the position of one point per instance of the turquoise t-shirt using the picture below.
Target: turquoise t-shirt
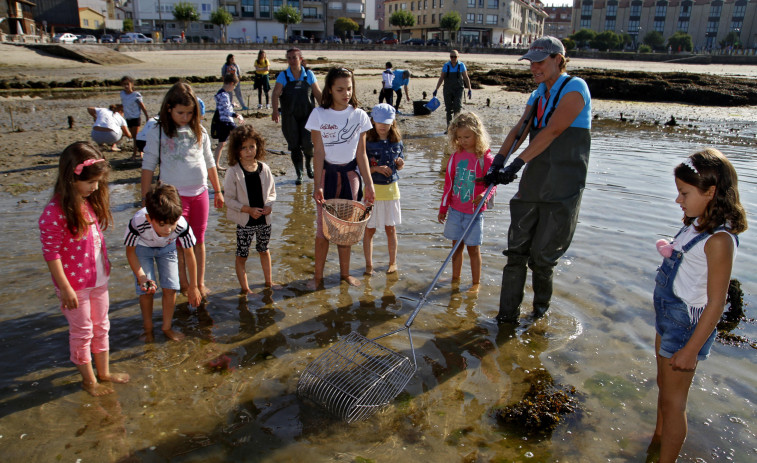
(399, 81)
(576, 84)
(309, 76)
(449, 68)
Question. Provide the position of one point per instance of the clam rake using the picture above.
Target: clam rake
(358, 376)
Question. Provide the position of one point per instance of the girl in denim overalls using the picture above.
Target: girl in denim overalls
(691, 286)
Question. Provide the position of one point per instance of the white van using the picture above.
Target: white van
(134, 37)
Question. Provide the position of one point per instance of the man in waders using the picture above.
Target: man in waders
(455, 79)
(544, 211)
(298, 89)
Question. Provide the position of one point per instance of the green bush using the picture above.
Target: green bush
(645, 49)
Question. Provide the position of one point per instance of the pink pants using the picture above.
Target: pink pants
(88, 324)
(196, 210)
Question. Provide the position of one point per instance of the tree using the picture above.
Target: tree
(654, 39)
(343, 25)
(222, 19)
(607, 40)
(681, 41)
(582, 37)
(186, 13)
(625, 40)
(402, 19)
(287, 15)
(732, 39)
(128, 25)
(450, 22)
(569, 44)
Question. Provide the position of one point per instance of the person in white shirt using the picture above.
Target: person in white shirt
(110, 125)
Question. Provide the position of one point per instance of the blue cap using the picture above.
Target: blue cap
(383, 113)
(202, 106)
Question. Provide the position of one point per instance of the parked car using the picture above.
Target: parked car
(134, 37)
(332, 39)
(436, 43)
(173, 39)
(86, 39)
(65, 37)
(414, 41)
(299, 38)
(107, 38)
(361, 39)
(387, 40)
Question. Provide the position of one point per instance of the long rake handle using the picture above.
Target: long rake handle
(412, 316)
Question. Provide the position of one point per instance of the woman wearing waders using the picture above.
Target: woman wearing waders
(544, 211)
(297, 87)
(455, 79)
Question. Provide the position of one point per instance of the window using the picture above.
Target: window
(612, 10)
(659, 26)
(491, 19)
(208, 27)
(715, 9)
(610, 24)
(471, 3)
(338, 6)
(480, 3)
(357, 7)
(493, 4)
(685, 10)
(403, 6)
(661, 9)
(739, 9)
(232, 9)
(586, 8)
(424, 19)
(441, 3)
(86, 22)
(433, 19)
(712, 27)
(635, 9)
(412, 6)
(248, 8)
(470, 17)
(97, 24)
(585, 23)
(633, 26)
(480, 19)
(683, 25)
(310, 12)
(265, 8)
(433, 3)
(277, 5)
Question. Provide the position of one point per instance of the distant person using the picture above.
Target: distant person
(133, 106)
(338, 128)
(150, 242)
(472, 158)
(250, 193)
(384, 148)
(231, 67)
(691, 287)
(298, 89)
(110, 125)
(227, 118)
(387, 77)
(182, 147)
(71, 230)
(544, 211)
(455, 79)
(262, 81)
(401, 80)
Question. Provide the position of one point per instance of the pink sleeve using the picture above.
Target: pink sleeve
(51, 231)
(449, 177)
(488, 161)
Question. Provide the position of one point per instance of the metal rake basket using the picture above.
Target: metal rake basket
(344, 221)
(356, 377)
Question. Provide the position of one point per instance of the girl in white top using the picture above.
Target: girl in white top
(110, 125)
(691, 287)
(338, 130)
(182, 147)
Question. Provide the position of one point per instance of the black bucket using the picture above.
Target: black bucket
(420, 109)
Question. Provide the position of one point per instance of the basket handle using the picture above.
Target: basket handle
(365, 213)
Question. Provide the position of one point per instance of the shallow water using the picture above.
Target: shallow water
(597, 337)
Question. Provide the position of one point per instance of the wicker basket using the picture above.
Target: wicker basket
(341, 221)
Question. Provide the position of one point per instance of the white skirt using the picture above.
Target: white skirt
(385, 214)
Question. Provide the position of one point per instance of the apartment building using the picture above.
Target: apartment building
(559, 21)
(484, 22)
(707, 21)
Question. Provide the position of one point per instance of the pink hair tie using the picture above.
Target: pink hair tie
(87, 163)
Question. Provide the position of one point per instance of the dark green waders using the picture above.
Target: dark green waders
(544, 214)
(453, 93)
(296, 105)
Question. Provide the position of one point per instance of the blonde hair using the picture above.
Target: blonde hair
(470, 121)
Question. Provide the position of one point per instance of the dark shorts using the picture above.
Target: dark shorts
(224, 129)
(136, 122)
(245, 236)
(140, 144)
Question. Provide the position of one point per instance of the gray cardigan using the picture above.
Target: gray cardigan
(235, 193)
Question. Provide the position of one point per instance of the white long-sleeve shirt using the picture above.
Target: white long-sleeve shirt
(183, 162)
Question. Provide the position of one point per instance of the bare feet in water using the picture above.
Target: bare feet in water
(392, 268)
(204, 291)
(273, 285)
(368, 270)
(245, 291)
(147, 337)
(315, 285)
(96, 389)
(173, 335)
(474, 289)
(350, 279)
(120, 378)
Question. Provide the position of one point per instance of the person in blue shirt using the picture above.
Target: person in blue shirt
(299, 92)
(544, 211)
(455, 79)
(401, 79)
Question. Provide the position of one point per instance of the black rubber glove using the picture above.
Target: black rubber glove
(499, 176)
(491, 174)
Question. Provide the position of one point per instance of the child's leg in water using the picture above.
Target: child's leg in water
(89, 381)
(265, 264)
(134, 130)
(474, 253)
(391, 242)
(102, 363)
(457, 263)
(368, 250)
(169, 305)
(344, 265)
(240, 265)
(146, 306)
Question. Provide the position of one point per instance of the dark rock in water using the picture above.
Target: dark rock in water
(622, 119)
(488, 102)
(70, 122)
(424, 95)
(672, 122)
(542, 407)
(699, 89)
(375, 91)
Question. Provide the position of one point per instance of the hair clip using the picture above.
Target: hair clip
(688, 163)
(87, 163)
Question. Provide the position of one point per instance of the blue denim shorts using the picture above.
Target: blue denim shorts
(456, 223)
(673, 324)
(168, 266)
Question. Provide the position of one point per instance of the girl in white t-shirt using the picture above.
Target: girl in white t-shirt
(109, 125)
(338, 130)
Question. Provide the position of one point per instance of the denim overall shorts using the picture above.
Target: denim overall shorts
(672, 319)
